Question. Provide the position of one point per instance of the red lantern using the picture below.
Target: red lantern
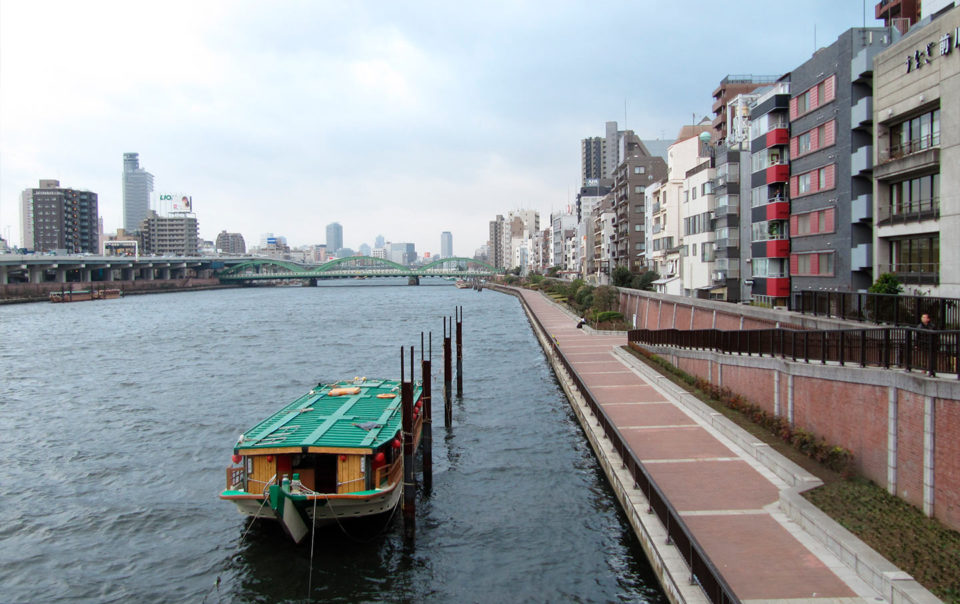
(270, 458)
(236, 458)
(396, 443)
(343, 458)
(379, 458)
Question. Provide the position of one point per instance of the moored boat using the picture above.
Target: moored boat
(334, 453)
(462, 284)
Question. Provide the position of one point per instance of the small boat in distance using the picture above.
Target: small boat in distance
(80, 295)
(462, 284)
(334, 453)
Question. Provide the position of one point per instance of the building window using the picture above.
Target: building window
(916, 134)
(693, 192)
(803, 143)
(816, 264)
(916, 254)
(803, 102)
(803, 183)
(707, 188)
(822, 179)
(915, 197)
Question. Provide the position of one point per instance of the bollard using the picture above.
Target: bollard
(447, 398)
(459, 314)
(427, 415)
(409, 483)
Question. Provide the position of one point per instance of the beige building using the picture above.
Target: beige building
(916, 191)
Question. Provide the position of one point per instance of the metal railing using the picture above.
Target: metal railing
(916, 145)
(702, 569)
(894, 309)
(910, 211)
(888, 347)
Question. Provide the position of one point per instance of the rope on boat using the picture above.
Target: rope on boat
(313, 532)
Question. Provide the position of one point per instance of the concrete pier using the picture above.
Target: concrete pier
(738, 498)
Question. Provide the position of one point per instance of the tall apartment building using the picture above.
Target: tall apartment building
(589, 197)
(137, 187)
(231, 243)
(697, 212)
(729, 88)
(769, 219)
(26, 219)
(170, 236)
(900, 14)
(592, 159)
(632, 178)
(916, 194)
(64, 219)
(495, 242)
(831, 229)
(334, 237)
(446, 244)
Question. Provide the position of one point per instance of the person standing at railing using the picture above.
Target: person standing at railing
(926, 323)
(926, 342)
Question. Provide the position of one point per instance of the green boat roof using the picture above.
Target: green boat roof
(317, 419)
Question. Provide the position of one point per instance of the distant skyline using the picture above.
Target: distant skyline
(402, 120)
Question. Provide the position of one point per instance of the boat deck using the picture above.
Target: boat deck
(363, 420)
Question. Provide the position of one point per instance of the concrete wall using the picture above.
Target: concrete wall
(903, 428)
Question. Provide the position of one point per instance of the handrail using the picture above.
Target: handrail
(888, 347)
(702, 569)
(893, 309)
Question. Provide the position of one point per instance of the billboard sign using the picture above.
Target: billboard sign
(177, 202)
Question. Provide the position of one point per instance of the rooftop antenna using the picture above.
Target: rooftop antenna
(814, 37)
(625, 114)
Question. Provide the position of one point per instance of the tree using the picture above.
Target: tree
(886, 283)
(606, 298)
(621, 276)
(645, 280)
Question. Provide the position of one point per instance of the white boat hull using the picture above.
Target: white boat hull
(328, 510)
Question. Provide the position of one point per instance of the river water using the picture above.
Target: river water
(118, 419)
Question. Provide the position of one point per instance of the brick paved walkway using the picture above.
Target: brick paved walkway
(727, 500)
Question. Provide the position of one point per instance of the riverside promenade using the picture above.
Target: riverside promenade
(738, 498)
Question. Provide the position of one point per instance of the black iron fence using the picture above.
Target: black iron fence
(934, 352)
(895, 309)
(702, 569)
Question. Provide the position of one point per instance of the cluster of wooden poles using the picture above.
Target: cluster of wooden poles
(407, 402)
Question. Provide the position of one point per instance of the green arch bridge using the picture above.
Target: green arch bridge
(266, 269)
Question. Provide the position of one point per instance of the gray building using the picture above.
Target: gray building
(917, 174)
(64, 219)
(831, 162)
(170, 236)
(446, 245)
(231, 243)
(592, 155)
(137, 187)
(334, 237)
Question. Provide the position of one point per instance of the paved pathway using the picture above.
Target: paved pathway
(728, 500)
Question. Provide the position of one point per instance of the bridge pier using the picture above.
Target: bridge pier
(413, 280)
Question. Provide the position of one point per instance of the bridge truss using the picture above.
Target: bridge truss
(263, 269)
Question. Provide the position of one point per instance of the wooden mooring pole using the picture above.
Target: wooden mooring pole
(458, 312)
(427, 414)
(409, 482)
(447, 389)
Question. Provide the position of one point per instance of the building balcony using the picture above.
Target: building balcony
(921, 273)
(910, 212)
(726, 210)
(861, 257)
(777, 210)
(861, 160)
(913, 156)
(861, 114)
(861, 66)
(778, 173)
(655, 229)
(861, 208)
(728, 242)
(780, 135)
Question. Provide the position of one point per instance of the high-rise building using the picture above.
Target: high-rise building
(334, 237)
(26, 219)
(916, 204)
(64, 219)
(769, 198)
(591, 159)
(231, 243)
(170, 236)
(729, 88)
(831, 164)
(446, 245)
(378, 242)
(137, 187)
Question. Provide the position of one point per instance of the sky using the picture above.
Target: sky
(402, 119)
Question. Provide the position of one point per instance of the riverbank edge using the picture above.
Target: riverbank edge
(668, 565)
(868, 564)
(126, 291)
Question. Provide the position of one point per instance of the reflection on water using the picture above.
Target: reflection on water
(121, 415)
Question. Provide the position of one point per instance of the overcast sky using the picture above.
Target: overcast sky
(397, 118)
